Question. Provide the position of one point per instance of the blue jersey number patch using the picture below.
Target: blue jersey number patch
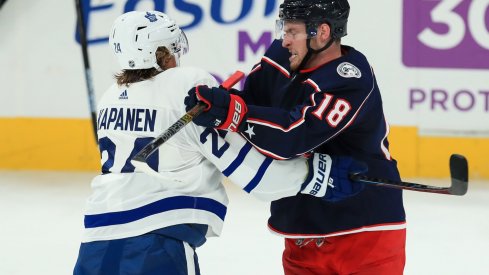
(108, 146)
(217, 150)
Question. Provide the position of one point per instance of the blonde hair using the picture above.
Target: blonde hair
(126, 77)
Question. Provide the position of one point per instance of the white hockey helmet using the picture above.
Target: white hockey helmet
(136, 35)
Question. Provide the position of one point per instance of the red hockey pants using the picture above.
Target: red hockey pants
(365, 253)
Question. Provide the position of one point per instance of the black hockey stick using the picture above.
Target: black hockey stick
(140, 159)
(86, 63)
(459, 173)
(2, 2)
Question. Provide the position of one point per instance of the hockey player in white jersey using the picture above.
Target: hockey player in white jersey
(138, 223)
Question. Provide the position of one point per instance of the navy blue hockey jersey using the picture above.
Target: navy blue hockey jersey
(335, 108)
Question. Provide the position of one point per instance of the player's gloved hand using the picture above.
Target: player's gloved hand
(224, 111)
(232, 91)
(329, 177)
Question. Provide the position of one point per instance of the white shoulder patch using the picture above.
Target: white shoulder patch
(348, 70)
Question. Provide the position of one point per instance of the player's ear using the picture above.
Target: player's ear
(169, 62)
(165, 59)
(324, 32)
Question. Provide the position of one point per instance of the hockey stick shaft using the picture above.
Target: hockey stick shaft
(86, 63)
(401, 184)
(458, 173)
(2, 2)
(151, 147)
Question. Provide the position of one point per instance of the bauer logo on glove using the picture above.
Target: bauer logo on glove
(322, 169)
(329, 177)
(236, 117)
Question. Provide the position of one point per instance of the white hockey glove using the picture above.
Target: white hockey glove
(329, 177)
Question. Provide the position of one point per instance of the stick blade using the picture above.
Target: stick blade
(459, 172)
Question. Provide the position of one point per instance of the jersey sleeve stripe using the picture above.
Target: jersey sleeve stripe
(384, 149)
(276, 66)
(313, 84)
(258, 176)
(238, 160)
(270, 124)
(163, 205)
(296, 123)
(255, 69)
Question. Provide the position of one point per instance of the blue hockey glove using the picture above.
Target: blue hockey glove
(329, 177)
(224, 111)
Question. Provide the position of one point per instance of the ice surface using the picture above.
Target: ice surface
(41, 222)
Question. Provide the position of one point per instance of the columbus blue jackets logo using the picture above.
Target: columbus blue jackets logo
(348, 70)
(151, 17)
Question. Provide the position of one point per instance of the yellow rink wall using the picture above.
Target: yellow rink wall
(48, 144)
(68, 145)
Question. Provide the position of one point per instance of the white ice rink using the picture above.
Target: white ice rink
(41, 220)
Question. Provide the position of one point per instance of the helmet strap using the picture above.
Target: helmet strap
(330, 42)
(177, 60)
(307, 57)
(311, 51)
(157, 67)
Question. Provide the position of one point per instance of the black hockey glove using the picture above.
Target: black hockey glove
(235, 92)
(224, 111)
(329, 177)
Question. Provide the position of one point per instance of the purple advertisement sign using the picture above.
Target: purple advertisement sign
(446, 33)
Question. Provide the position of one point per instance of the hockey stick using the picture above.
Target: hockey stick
(2, 2)
(86, 63)
(140, 159)
(459, 173)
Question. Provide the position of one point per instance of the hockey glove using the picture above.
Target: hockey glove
(224, 111)
(329, 177)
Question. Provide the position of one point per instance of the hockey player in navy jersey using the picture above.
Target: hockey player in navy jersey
(137, 223)
(310, 92)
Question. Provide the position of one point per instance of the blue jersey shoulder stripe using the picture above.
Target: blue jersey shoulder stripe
(259, 175)
(238, 160)
(167, 204)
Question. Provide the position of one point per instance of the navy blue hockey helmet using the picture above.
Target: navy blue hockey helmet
(313, 12)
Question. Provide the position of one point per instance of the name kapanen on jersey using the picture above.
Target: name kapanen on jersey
(127, 119)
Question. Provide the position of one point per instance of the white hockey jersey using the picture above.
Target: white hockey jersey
(126, 202)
